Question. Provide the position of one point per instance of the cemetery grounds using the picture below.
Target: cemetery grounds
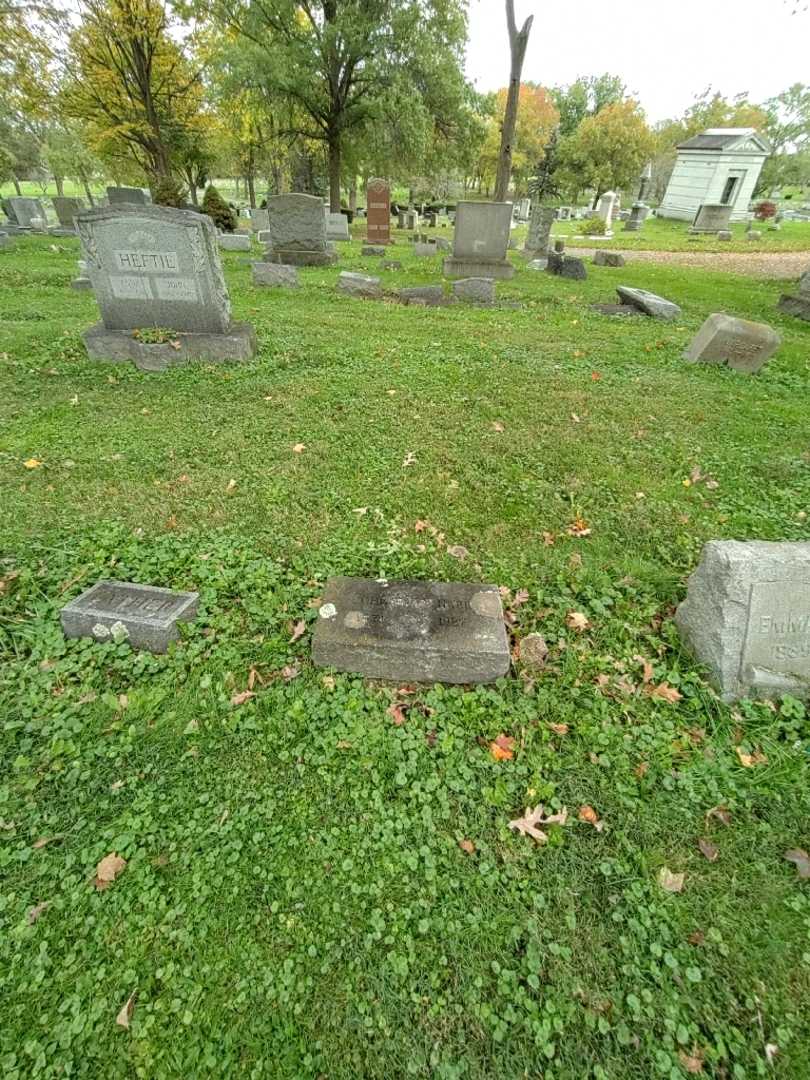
(320, 876)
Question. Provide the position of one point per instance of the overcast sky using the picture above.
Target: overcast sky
(666, 51)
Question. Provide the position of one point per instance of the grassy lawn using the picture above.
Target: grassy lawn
(296, 902)
(659, 234)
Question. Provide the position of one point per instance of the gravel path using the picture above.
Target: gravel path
(766, 264)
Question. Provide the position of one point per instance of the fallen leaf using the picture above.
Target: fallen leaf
(468, 846)
(750, 760)
(420, 526)
(43, 841)
(35, 912)
(242, 697)
(290, 672)
(521, 597)
(395, 711)
(230, 485)
(722, 814)
(640, 770)
(125, 1013)
(108, 870)
(665, 692)
(647, 669)
(578, 527)
(696, 938)
(527, 825)
(548, 539)
(590, 817)
(575, 620)
(691, 1062)
(502, 748)
(708, 849)
(343, 744)
(670, 882)
(458, 552)
(409, 459)
(32, 463)
(559, 729)
(299, 448)
(298, 630)
(771, 1050)
(497, 426)
(328, 682)
(801, 859)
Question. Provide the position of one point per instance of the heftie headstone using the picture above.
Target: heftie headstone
(712, 217)
(649, 303)
(142, 615)
(155, 267)
(118, 196)
(425, 631)
(746, 617)
(378, 221)
(798, 305)
(740, 344)
(481, 241)
(298, 231)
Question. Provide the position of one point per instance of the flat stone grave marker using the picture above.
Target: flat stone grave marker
(275, 274)
(234, 242)
(378, 221)
(712, 217)
(118, 196)
(153, 267)
(144, 616)
(567, 266)
(481, 241)
(298, 231)
(361, 285)
(422, 631)
(740, 344)
(649, 303)
(607, 258)
(746, 617)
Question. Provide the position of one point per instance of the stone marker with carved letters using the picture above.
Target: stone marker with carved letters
(420, 630)
(153, 267)
(739, 343)
(746, 617)
(298, 231)
(481, 241)
(142, 615)
(378, 222)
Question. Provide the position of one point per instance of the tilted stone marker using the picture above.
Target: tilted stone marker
(233, 242)
(567, 266)
(649, 303)
(23, 211)
(156, 267)
(712, 217)
(740, 344)
(746, 617)
(481, 241)
(119, 196)
(142, 615)
(608, 258)
(359, 285)
(298, 231)
(423, 631)
(378, 222)
(798, 305)
(275, 274)
(337, 226)
(66, 211)
(540, 223)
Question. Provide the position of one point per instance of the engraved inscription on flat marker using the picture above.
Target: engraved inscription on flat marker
(746, 616)
(423, 631)
(142, 615)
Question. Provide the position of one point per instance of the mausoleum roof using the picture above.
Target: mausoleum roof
(723, 139)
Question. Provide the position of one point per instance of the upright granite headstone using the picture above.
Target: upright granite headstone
(378, 201)
(540, 223)
(22, 210)
(638, 215)
(152, 267)
(423, 631)
(118, 196)
(798, 305)
(259, 219)
(337, 226)
(66, 210)
(740, 344)
(746, 617)
(119, 611)
(481, 241)
(712, 217)
(298, 231)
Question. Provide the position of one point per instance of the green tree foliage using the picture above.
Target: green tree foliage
(218, 210)
(586, 97)
(608, 150)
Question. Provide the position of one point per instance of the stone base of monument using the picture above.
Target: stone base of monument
(57, 230)
(81, 283)
(144, 616)
(293, 257)
(118, 346)
(412, 631)
(798, 306)
(478, 268)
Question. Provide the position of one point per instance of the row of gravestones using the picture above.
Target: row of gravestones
(27, 214)
(746, 617)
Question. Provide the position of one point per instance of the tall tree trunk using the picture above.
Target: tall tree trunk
(60, 185)
(353, 195)
(334, 172)
(250, 180)
(518, 40)
(86, 186)
(16, 184)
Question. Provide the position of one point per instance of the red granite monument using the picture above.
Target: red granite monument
(378, 212)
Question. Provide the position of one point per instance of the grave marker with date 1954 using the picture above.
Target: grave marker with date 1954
(142, 615)
(152, 267)
(746, 616)
(403, 630)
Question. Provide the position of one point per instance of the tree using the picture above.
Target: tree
(335, 62)
(131, 84)
(518, 42)
(536, 119)
(609, 150)
(586, 97)
(788, 119)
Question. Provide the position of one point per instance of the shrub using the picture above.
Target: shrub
(218, 210)
(765, 210)
(169, 192)
(594, 226)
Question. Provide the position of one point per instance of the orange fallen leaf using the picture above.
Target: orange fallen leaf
(32, 463)
(578, 527)
(502, 748)
(298, 630)
(396, 711)
(468, 846)
(559, 729)
(691, 1062)
(670, 882)
(242, 697)
(750, 760)
(665, 692)
(590, 817)
(641, 769)
(126, 1010)
(108, 870)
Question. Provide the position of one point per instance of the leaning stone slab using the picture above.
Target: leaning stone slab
(142, 615)
(66, 210)
(120, 196)
(798, 305)
(475, 290)
(740, 344)
(651, 304)
(359, 285)
(429, 295)
(275, 274)
(234, 242)
(608, 258)
(421, 631)
(567, 266)
(746, 617)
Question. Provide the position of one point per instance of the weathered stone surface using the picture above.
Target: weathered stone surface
(236, 343)
(442, 243)
(481, 241)
(424, 250)
(298, 231)
(725, 235)
(378, 203)
(66, 210)
(22, 211)
(798, 305)
(337, 226)
(233, 242)
(429, 295)
(359, 285)
(275, 274)
(421, 631)
(712, 217)
(559, 245)
(392, 264)
(259, 219)
(475, 290)
(142, 615)
(608, 258)
(540, 223)
(539, 264)
(377, 250)
(746, 617)
(81, 281)
(567, 266)
(119, 196)
(740, 344)
(753, 234)
(651, 304)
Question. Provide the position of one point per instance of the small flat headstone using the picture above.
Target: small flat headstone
(362, 285)
(475, 290)
(421, 631)
(234, 242)
(746, 617)
(373, 249)
(429, 295)
(142, 615)
(649, 303)
(275, 274)
(740, 344)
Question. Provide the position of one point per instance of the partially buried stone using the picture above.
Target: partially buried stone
(392, 264)
(429, 295)
(649, 303)
(798, 305)
(746, 617)
(422, 631)
(608, 258)
(275, 274)
(359, 285)
(119, 611)
(742, 345)
(567, 266)
(533, 651)
(373, 249)
(475, 290)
